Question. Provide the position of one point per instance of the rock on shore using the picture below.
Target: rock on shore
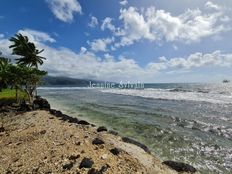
(48, 142)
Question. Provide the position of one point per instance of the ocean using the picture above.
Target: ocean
(190, 123)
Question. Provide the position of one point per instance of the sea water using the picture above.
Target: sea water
(190, 123)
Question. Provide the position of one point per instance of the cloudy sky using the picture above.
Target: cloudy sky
(121, 40)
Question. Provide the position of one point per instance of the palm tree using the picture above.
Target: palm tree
(4, 64)
(29, 54)
(14, 78)
(9, 75)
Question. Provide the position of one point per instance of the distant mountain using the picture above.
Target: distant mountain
(66, 81)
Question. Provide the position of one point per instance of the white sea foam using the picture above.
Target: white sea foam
(170, 95)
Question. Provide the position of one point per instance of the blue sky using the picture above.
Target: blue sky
(134, 40)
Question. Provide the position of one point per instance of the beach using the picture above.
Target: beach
(40, 142)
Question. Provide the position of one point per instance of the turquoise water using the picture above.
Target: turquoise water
(185, 122)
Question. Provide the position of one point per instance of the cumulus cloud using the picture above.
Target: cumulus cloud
(94, 22)
(108, 57)
(211, 5)
(123, 2)
(37, 36)
(64, 10)
(65, 62)
(155, 25)
(83, 50)
(225, 19)
(4, 46)
(196, 60)
(100, 44)
(85, 64)
(135, 27)
(107, 24)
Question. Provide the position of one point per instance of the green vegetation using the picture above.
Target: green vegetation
(9, 95)
(62, 81)
(29, 55)
(25, 74)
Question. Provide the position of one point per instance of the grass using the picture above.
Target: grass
(9, 95)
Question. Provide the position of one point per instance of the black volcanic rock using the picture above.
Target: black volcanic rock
(24, 106)
(115, 151)
(86, 163)
(65, 117)
(101, 129)
(104, 168)
(98, 141)
(74, 157)
(68, 166)
(56, 113)
(131, 141)
(73, 120)
(2, 129)
(83, 122)
(180, 167)
(41, 103)
(113, 132)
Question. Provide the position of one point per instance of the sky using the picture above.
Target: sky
(125, 40)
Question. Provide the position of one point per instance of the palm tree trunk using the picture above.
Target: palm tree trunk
(29, 96)
(16, 93)
(35, 89)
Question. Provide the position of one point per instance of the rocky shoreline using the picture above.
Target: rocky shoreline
(44, 140)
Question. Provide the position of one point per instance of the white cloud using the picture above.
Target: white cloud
(85, 64)
(155, 25)
(100, 44)
(4, 46)
(108, 57)
(1, 36)
(123, 2)
(196, 60)
(225, 19)
(93, 23)
(65, 62)
(162, 59)
(83, 50)
(135, 27)
(106, 24)
(211, 5)
(64, 10)
(37, 36)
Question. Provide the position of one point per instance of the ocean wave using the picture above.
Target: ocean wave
(215, 129)
(180, 90)
(166, 94)
(190, 90)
